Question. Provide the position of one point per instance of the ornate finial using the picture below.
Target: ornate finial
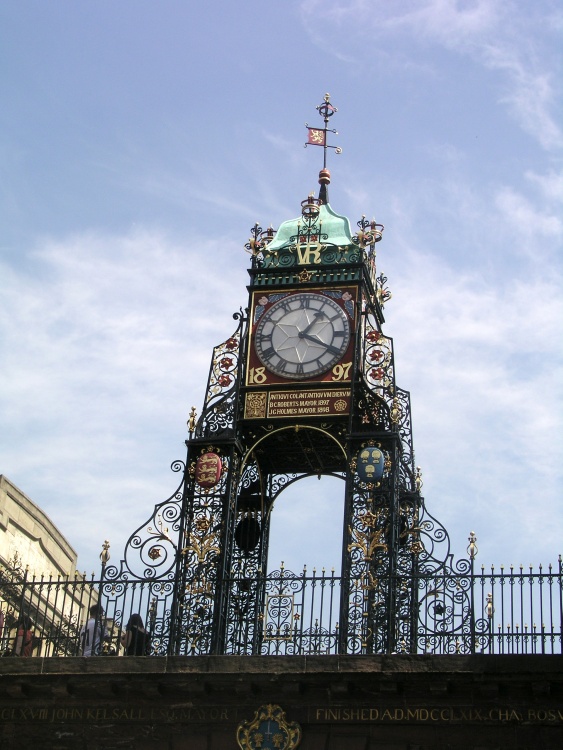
(104, 554)
(395, 411)
(192, 420)
(259, 240)
(490, 610)
(418, 479)
(472, 547)
(382, 292)
(317, 137)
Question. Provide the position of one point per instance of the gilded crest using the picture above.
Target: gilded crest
(370, 464)
(208, 470)
(268, 730)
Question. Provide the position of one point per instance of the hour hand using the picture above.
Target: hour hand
(316, 317)
(328, 347)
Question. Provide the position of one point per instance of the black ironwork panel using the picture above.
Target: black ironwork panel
(461, 610)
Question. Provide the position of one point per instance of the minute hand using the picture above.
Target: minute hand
(328, 347)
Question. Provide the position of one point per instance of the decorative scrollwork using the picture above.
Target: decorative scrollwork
(219, 410)
(151, 550)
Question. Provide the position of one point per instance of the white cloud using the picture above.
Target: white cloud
(484, 367)
(550, 184)
(103, 352)
(524, 218)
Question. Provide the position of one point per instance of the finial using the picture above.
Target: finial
(472, 548)
(317, 137)
(104, 554)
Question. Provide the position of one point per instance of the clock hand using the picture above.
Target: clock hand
(328, 347)
(316, 316)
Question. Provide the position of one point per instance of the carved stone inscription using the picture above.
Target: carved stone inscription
(67, 714)
(442, 714)
(436, 714)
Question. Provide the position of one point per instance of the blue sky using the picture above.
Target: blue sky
(140, 141)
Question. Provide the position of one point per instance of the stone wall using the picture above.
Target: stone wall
(26, 530)
(340, 703)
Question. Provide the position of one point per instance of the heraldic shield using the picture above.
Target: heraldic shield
(370, 464)
(269, 730)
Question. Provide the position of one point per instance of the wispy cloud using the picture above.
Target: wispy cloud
(488, 31)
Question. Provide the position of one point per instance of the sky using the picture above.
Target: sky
(140, 142)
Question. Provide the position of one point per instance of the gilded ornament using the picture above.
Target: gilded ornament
(202, 523)
(269, 729)
(395, 410)
(208, 470)
(370, 464)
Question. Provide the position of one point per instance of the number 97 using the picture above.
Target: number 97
(341, 372)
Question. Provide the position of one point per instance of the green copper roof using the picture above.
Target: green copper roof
(335, 229)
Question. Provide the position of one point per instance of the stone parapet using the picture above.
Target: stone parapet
(424, 702)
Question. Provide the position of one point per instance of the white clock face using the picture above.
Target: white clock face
(302, 335)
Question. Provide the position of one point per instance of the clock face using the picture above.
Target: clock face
(302, 335)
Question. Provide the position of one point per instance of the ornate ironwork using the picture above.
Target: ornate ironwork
(461, 610)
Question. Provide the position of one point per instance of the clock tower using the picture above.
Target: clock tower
(304, 386)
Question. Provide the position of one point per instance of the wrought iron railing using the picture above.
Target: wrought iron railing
(504, 611)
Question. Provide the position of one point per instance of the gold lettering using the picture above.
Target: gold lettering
(308, 255)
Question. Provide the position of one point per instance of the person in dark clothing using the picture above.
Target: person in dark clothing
(136, 640)
(23, 643)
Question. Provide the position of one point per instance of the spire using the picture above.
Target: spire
(317, 137)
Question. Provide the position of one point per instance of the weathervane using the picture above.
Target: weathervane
(317, 136)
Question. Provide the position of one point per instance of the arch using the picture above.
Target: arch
(306, 527)
(282, 460)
